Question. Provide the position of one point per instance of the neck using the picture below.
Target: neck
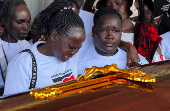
(8, 38)
(106, 53)
(45, 49)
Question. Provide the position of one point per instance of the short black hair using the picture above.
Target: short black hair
(105, 11)
(60, 17)
(102, 3)
(165, 23)
(7, 11)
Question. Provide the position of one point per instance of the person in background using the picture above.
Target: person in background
(123, 7)
(149, 10)
(87, 18)
(163, 26)
(107, 36)
(55, 59)
(147, 40)
(15, 17)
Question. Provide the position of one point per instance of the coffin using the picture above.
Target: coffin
(115, 98)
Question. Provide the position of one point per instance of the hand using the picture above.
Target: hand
(132, 56)
(42, 38)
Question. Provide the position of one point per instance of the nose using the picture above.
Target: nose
(110, 35)
(26, 26)
(73, 52)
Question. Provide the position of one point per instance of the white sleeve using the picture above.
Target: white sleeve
(18, 76)
(142, 60)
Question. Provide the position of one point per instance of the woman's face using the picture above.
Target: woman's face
(107, 33)
(20, 23)
(1, 29)
(120, 5)
(64, 47)
(148, 14)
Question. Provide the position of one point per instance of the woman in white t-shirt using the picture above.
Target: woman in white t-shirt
(15, 17)
(107, 36)
(56, 60)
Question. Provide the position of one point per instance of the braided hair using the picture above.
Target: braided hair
(165, 23)
(102, 3)
(105, 11)
(60, 17)
(7, 11)
(141, 17)
(73, 1)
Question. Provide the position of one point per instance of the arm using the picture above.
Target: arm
(17, 79)
(132, 54)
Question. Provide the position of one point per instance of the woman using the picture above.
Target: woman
(147, 40)
(15, 18)
(123, 7)
(56, 59)
(34, 36)
(107, 36)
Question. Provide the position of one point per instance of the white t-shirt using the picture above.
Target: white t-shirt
(50, 71)
(165, 43)
(91, 58)
(128, 37)
(12, 49)
(87, 18)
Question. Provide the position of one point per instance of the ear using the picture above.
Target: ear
(3, 20)
(53, 35)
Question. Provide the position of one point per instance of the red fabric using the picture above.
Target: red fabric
(146, 40)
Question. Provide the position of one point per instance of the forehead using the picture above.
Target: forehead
(110, 19)
(112, 1)
(146, 7)
(75, 33)
(21, 11)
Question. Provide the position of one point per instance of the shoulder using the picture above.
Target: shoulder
(85, 13)
(165, 35)
(24, 43)
(121, 52)
(127, 26)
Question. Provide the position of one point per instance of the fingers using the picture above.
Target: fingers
(42, 38)
(129, 61)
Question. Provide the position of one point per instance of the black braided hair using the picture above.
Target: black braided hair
(7, 11)
(55, 16)
(141, 17)
(105, 11)
(73, 1)
(102, 3)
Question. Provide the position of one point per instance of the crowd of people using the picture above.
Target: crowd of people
(64, 40)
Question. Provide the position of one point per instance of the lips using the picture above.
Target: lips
(24, 35)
